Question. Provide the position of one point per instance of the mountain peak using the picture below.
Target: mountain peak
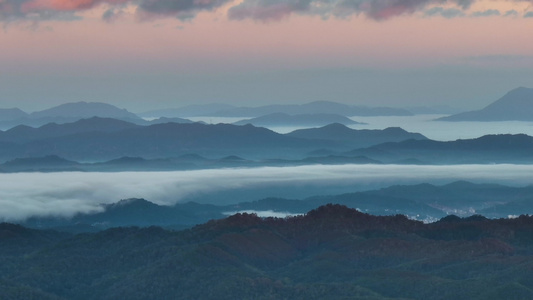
(520, 89)
(398, 130)
(518, 96)
(8, 114)
(515, 105)
(336, 126)
(84, 109)
(132, 203)
(335, 211)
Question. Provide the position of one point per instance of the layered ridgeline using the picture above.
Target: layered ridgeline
(154, 141)
(84, 110)
(54, 163)
(317, 107)
(423, 202)
(516, 105)
(100, 139)
(300, 120)
(338, 133)
(112, 143)
(71, 112)
(65, 113)
(502, 148)
(11, 114)
(332, 252)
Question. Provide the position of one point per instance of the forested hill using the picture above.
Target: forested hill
(331, 252)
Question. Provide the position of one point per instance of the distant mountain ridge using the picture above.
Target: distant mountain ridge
(65, 113)
(23, 133)
(217, 110)
(356, 138)
(198, 110)
(500, 148)
(516, 105)
(84, 110)
(102, 139)
(153, 141)
(10, 114)
(54, 163)
(300, 120)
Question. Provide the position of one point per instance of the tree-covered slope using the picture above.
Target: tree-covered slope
(332, 252)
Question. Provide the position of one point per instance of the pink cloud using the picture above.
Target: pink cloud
(260, 10)
(64, 5)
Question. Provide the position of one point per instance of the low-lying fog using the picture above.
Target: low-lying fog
(64, 194)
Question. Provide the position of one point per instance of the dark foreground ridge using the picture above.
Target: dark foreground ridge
(332, 252)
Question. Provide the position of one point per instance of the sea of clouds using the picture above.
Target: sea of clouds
(67, 193)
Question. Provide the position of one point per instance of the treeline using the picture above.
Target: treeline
(332, 252)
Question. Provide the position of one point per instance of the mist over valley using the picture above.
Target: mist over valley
(66, 193)
(266, 149)
(392, 195)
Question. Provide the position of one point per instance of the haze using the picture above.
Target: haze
(160, 54)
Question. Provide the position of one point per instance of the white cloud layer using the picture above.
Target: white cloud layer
(65, 194)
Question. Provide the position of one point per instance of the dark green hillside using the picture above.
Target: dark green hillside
(332, 252)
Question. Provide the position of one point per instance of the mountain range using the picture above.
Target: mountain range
(159, 141)
(331, 252)
(318, 107)
(223, 239)
(501, 148)
(196, 110)
(338, 133)
(102, 139)
(516, 105)
(11, 114)
(72, 112)
(300, 120)
(84, 110)
(98, 139)
(424, 202)
(54, 163)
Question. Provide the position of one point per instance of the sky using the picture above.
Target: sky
(151, 54)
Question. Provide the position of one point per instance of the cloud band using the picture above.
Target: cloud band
(258, 10)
